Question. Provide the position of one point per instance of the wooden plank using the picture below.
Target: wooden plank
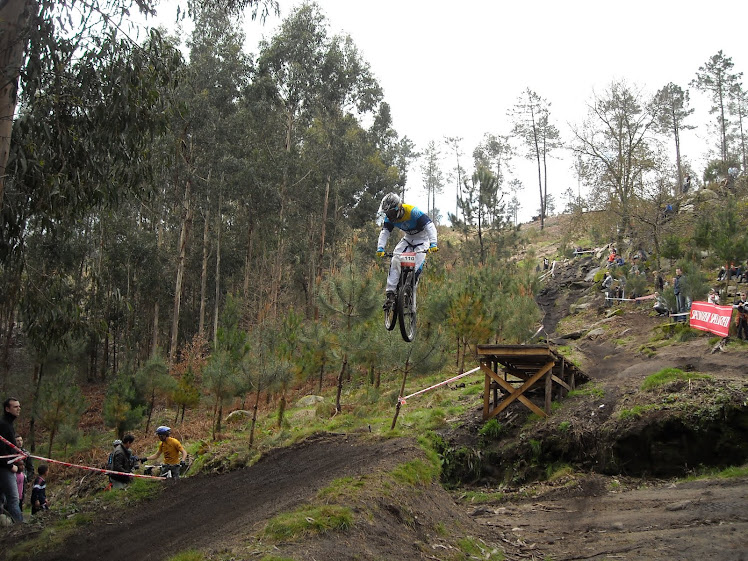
(548, 391)
(486, 393)
(516, 393)
(560, 382)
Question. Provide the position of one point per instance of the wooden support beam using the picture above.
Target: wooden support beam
(514, 393)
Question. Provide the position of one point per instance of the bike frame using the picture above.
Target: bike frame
(405, 298)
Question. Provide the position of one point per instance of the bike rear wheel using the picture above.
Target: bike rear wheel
(406, 310)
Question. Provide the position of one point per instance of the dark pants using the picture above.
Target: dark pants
(742, 329)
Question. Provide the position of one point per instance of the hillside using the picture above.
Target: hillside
(597, 480)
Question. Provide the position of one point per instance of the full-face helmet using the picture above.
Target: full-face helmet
(392, 206)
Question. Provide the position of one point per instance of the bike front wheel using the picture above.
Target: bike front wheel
(406, 310)
(390, 316)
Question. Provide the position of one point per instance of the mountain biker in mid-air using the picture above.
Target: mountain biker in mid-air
(420, 233)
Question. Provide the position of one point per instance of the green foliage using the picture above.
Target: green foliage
(588, 389)
(60, 402)
(668, 375)
(492, 429)
(306, 521)
(416, 472)
(477, 549)
(122, 410)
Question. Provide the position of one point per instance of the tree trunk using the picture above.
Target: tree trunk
(37, 381)
(254, 417)
(343, 366)
(248, 259)
(183, 236)
(14, 17)
(204, 274)
(218, 270)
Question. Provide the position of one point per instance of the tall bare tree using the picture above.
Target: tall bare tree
(716, 77)
(672, 110)
(531, 117)
(614, 145)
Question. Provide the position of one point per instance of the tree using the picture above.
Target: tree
(614, 145)
(152, 380)
(716, 77)
(61, 403)
(122, 409)
(531, 116)
(672, 110)
(433, 178)
(739, 108)
(32, 32)
(453, 143)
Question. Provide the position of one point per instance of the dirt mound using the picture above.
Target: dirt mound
(209, 512)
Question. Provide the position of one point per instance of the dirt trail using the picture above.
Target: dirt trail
(200, 512)
(689, 521)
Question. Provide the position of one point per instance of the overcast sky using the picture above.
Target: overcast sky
(455, 68)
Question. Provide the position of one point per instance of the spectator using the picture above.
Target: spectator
(8, 483)
(39, 491)
(721, 274)
(123, 461)
(660, 306)
(659, 282)
(687, 184)
(606, 288)
(28, 461)
(742, 320)
(21, 482)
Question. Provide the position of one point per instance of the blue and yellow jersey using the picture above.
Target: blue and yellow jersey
(413, 221)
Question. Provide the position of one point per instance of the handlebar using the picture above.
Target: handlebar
(393, 253)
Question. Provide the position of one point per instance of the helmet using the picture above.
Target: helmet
(117, 442)
(392, 206)
(163, 430)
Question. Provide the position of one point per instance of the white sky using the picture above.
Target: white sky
(454, 68)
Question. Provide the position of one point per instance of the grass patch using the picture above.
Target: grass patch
(307, 521)
(416, 472)
(554, 473)
(587, 390)
(477, 549)
(668, 375)
(731, 472)
(492, 429)
(564, 426)
(50, 538)
(342, 487)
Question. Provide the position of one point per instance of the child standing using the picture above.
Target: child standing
(39, 492)
(21, 481)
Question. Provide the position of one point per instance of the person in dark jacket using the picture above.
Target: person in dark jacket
(124, 461)
(39, 491)
(8, 483)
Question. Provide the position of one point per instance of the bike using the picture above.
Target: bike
(403, 311)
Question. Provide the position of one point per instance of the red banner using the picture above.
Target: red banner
(710, 317)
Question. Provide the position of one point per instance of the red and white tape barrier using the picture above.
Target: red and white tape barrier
(21, 455)
(402, 400)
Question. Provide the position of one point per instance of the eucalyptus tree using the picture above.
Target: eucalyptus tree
(532, 124)
(615, 145)
(318, 88)
(717, 78)
(672, 110)
(53, 30)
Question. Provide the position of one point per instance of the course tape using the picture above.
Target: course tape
(402, 400)
(21, 454)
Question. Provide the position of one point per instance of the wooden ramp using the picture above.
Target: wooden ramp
(525, 368)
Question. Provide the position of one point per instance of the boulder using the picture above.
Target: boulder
(309, 401)
(238, 416)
